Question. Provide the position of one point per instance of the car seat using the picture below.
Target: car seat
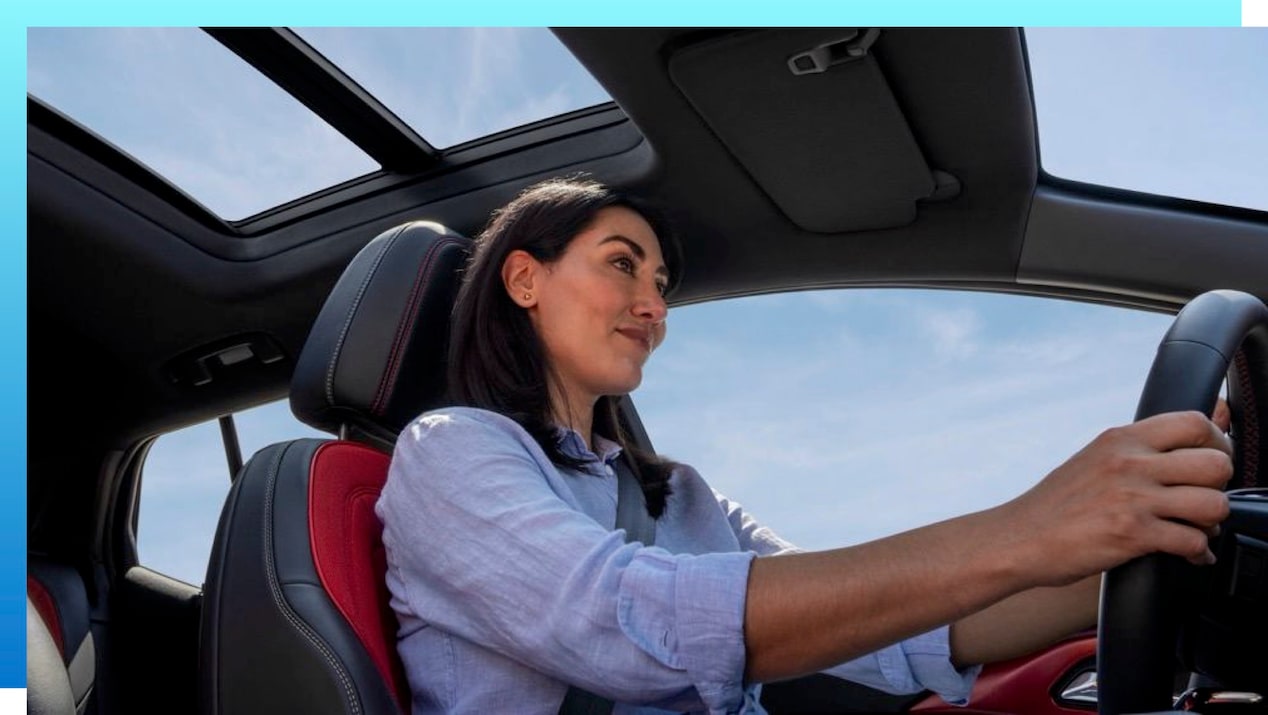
(58, 615)
(295, 615)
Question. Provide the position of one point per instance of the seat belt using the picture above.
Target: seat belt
(631, 508)
(631, 515)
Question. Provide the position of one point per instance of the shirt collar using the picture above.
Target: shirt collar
(571, 444)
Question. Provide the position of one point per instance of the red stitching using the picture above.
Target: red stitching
(1248, 439)
(409, 319)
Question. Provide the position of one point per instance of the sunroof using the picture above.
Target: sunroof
(193, 112)
(452, 85)
(1176, 112)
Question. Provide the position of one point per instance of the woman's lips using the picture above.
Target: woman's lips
(642, 336)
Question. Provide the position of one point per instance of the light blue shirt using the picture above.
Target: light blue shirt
(509, 583)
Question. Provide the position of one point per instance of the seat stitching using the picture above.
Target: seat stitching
(278, 599)
(409, 321)
(352, 311)
(408, 317)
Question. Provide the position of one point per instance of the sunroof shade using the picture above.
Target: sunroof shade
(183, 105)
(452, 85)
(1176, 112)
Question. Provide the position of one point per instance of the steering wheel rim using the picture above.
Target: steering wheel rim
(1143, 602)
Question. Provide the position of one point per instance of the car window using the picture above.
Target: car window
(837, 417)
(184, 482)
(1118, 106)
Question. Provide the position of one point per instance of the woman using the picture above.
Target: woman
(510, 584)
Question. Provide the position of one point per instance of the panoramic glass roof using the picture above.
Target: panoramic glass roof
(1176, 112)
(452, 85)
(194, 112)
(1179, 112)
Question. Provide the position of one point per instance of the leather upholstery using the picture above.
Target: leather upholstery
(344, 484)
(375, 356)
(296, 615)
(56, 593)
(47, 684)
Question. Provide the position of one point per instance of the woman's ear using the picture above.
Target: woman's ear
(519, 276)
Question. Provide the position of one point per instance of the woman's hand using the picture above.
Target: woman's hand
(1145, 487)
(1039, 617)
(1152, 486)
(1222, 416)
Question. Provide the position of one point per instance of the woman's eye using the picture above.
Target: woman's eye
(624, 264)
(662, 288)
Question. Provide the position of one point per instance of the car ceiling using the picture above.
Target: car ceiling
(126, 276)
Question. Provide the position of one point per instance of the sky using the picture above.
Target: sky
(177, 101)
(834, 417)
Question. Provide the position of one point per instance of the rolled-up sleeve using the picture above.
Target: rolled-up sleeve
(688, 613)
(483, 543)
(910, 666)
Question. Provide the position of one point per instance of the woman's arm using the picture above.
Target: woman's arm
(1025, 623)
(1035, 619)
(1150, 486)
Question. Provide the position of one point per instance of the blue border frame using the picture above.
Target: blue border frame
(655, 12)
(13, 392)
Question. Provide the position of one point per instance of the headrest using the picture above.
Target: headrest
(375, 357)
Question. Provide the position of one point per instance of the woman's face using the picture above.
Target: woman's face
(599, 309)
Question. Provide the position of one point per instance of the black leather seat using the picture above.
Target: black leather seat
(295, 615)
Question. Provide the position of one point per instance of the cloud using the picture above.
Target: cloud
(835, 417)
(187, 108)
(184, 106)
(913, 407)
(953, 332)
(456, 84)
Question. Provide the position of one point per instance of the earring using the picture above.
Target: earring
(528, 296)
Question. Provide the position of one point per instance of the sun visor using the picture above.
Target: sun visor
(810, 116)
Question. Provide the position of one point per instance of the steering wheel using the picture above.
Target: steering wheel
(1145, 601)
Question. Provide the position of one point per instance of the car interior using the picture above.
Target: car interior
(787, 159)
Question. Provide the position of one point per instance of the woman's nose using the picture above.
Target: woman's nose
(651, 305)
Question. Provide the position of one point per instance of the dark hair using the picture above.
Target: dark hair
(496, 360)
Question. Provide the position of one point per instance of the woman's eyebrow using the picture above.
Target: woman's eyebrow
(636, 249)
